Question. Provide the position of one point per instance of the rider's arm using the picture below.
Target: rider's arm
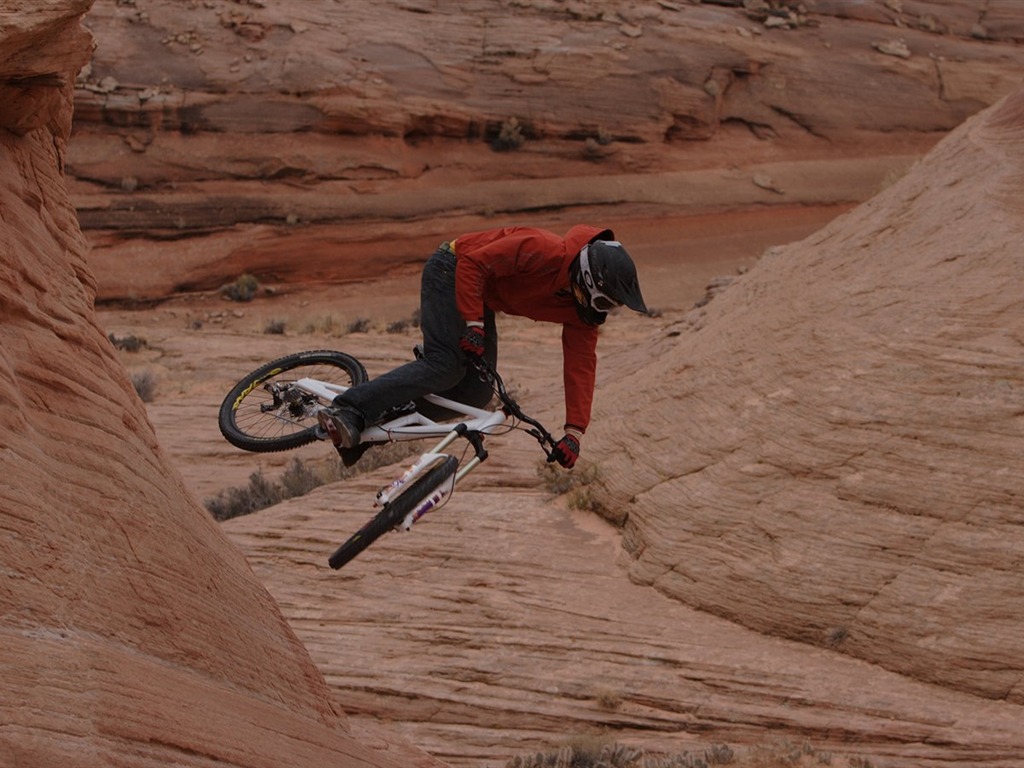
(579, 370)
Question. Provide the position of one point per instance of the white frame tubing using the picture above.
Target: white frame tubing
(415, 426)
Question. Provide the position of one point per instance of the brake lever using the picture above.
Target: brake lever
(537, 431)
(483, 369)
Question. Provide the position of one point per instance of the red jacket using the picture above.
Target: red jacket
(525, 271)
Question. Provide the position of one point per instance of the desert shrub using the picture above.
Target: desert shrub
(596, 751)
(510, 136)
(130, 343)
(359, 325)
(608, 699)
(331, 326)
(405, 324)
(242, 289)
(274, 327)
(582, 488)
(298, 479)
(145, 385)
(592, 150)
(234, 502)
(327, 325)
(595, 147)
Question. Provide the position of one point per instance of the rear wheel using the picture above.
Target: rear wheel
(394, 512)
(265, 412)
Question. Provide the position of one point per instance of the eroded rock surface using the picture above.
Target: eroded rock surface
(339, 139)
(825, 455)
(830, 447)
(132, 631)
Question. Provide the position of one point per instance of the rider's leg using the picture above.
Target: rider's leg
(471, 389)
(441, 366)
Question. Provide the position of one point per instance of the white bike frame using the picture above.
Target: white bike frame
(415, 426)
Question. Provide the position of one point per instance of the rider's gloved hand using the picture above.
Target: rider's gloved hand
(472, 341)
(567, 450)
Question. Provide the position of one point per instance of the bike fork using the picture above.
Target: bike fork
(446, 488)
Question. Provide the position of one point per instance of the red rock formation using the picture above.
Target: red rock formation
(836, 445)
(133, 632)
(847, 429)
(220, 137)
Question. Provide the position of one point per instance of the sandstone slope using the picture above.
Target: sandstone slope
(505, 623)
(829, 451)
(133, 632)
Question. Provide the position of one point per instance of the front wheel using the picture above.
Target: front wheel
(266, 412)
(394, 512)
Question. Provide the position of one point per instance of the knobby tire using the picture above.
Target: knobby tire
(247, 419)
(394, 512)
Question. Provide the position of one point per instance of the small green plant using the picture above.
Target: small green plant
(242, 289)
(128, 343)
(145, 385)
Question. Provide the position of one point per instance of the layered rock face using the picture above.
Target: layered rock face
(831, 447)
(335, 140)
(827, 452)
(132, 631)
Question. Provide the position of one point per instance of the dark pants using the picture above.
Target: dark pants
(442, 369)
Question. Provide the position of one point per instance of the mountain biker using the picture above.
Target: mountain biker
(573, 281)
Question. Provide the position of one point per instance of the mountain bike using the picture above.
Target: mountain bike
(275, 408)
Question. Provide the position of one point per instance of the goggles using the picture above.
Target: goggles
(598, 300)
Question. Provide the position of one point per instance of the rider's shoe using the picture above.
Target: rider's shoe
(343, 425)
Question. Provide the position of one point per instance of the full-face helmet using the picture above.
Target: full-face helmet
(604, 278)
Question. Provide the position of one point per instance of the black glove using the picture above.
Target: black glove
(567, 450)
(472, 341)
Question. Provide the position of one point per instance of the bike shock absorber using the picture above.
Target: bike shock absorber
(431, 502)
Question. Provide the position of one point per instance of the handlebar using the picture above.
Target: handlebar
(490, 374)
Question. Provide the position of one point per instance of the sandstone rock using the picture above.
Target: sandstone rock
(843, 445)
(896, 48)
(132, 631)
(852, 432)
(271, 111)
